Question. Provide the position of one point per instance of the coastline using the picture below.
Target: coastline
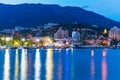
(78, 47)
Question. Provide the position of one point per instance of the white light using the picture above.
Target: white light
(8, 39)
(67, 43)
(37, 65)
(23, 39)
(92, 53)
(23, 65)
(7, 65)
(37, 40)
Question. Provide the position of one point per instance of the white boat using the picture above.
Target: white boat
(3, 47)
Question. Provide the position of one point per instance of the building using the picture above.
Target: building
(114, 33)
(75, 35)
(61, 34)
(66, 33)
(7, 31)
(49, 25)
(18, 28)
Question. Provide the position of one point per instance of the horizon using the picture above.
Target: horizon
(108, 10)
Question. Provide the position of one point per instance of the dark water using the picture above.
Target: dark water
(74, 64)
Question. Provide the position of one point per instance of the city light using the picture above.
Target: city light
(105, 31)
(16, 65)
(3, 38)
(37, 40)
(23, 65)
(26, 43)
(92, 53)
(37, 65)
(104, 53)
(7, 65)
(49, 64)
(7, 39)
(23, 39)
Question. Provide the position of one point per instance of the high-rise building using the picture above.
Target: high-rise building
(114, 33)
(75, 35)
(61, 34)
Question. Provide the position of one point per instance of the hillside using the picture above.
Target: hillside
(32, 15)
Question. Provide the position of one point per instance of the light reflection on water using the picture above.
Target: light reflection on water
(37, 65)
(92, 69)
(24, 65)
(72, 65)
(104, 65)
(49, 65)
(16, 66)
(59, 69)
(92, 65)
(82, 64)
(67, 65)
(7, 65)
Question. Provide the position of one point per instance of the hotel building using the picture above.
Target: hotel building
(114, 33)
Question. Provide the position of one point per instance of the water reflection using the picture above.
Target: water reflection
(67, 66)
(60, 68)
(24, 65)
(6, 65)
(49, 65)
(92, 69)
(72, 65)
(37, 65)
(46, 63)
(92, 53)
(104, 52)
(16, 66)
(29, 66)
(104, 66)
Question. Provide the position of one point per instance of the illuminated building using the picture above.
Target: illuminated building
(75, 35)
(114, 33)
(61, 34)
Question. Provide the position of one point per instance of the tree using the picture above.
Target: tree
(28, 43)
(113, 42)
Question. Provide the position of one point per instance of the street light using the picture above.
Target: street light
(3, 38)
(37, 40)
(23, 40)
(7, 39)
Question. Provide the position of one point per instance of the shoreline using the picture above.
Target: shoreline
(79, 47)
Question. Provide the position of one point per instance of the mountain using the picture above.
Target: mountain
(32, 15)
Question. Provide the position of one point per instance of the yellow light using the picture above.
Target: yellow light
(2, 38)
(49, 65)
(48, 39)
(26, 43)
(16, 43)
(105, 31)
(7, 39)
